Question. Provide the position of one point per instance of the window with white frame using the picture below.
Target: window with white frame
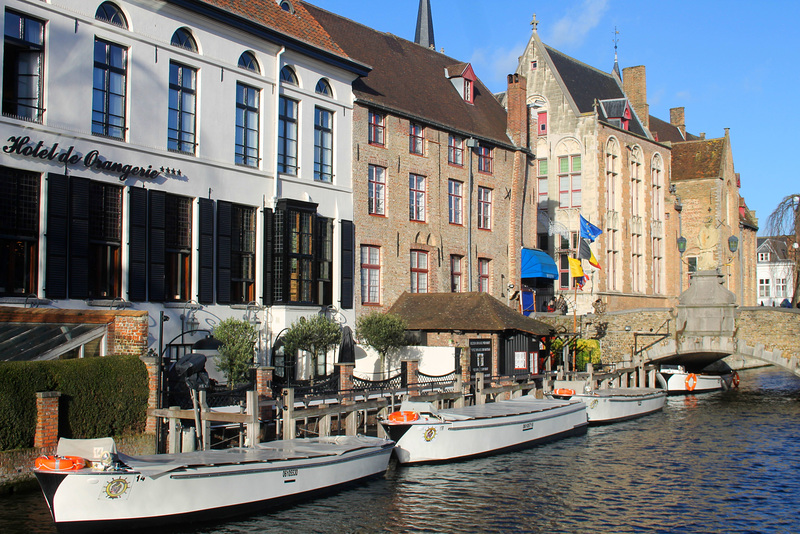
(287, 135)
(23, 63)
(763, 287)
(484, 208)
(377, 190)
(323, 145)
(781, 288)
(181, 131)
(763, 256)
(455, 201)
(110, 88)
(370, 274)
(569, 181)
(416, 197)
(419, 271)
(248, 128)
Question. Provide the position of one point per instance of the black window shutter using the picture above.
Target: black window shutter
(269, 230)
(137, 245)
(224, 230)
(206, 252)
(79, 239)
(57, 236)
(348, 238)
(157, 243)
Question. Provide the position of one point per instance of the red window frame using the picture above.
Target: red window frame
(484, 208)
(455, 202)
(416, 138)
(416, 197)
(376, 191)
(377, 128)
(419, 273)
(483, 274)
(368, 268)
(468, 90)
(485, 159)
(455, 151)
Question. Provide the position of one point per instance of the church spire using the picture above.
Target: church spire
(424, 35)
(616, 62)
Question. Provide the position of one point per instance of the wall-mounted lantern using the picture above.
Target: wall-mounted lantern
(681, 244)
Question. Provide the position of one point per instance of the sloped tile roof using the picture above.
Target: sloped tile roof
(746, 215)
(697, 159)
(587, 84)
(469, 312)
(268, 15)
(668, 133)
(409, 79)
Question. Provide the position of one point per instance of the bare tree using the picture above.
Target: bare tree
(785, 222)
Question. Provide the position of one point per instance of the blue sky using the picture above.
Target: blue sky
(732, 64)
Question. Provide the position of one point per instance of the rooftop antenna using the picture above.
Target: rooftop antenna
(616, 62)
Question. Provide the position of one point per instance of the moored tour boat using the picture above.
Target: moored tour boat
(612, 405)
(91, 488)
(424, 434)
(680, 381)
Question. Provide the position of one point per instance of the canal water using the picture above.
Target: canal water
(712, 463)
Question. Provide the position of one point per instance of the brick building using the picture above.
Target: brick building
(718, 228)
(596, 158)
(441, 193)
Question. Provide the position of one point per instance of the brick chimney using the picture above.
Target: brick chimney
(677, 119)
(634, 83)
(517, 109)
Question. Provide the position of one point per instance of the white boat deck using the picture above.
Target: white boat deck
(270, 451)
(518, 406)
(622, 392)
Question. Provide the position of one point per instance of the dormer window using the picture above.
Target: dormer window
(617, 112)
(463, 79)
(286, 6)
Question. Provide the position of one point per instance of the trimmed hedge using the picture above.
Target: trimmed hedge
(99, 397)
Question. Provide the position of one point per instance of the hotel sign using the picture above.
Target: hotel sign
(23, 146)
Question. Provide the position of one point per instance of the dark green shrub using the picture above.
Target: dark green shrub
(99, 397)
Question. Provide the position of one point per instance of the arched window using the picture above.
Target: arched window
(288, 75)
(286, 6)
(657, 177)
(636, 224)
(612, 237)
(323, 88)
(248, 61)
(182, 38)
(111, 14)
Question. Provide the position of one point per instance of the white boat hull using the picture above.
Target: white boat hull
(613, 405)
(678, 383)
(458, 434)
(87, 500)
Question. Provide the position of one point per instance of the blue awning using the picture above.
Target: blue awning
(537, 264)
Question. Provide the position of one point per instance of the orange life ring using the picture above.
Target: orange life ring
(566, 392)
(735, 380)
(403, 417)
(59, 463)
(691, 382)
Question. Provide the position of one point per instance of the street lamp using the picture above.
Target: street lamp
(681, 245)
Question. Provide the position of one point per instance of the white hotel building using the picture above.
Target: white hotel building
(189, 157)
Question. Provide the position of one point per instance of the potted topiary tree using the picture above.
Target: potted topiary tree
(316, 335)
(384, 332)
(238, 340)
